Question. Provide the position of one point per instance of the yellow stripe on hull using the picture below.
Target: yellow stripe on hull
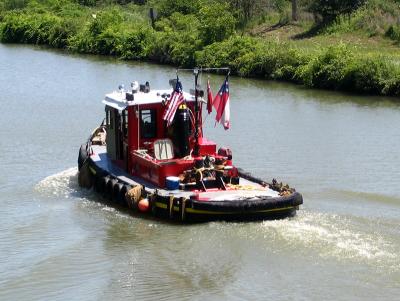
(198, 211)
(92, 170)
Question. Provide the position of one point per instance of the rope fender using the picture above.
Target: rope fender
(133, 196)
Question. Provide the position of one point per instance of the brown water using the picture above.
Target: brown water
(58, 242)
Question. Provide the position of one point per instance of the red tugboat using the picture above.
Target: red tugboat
(150, 154)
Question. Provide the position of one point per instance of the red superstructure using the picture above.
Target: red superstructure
(139, 140)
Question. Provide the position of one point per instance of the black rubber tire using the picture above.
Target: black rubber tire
(98, 183)
(104, 184)
(85, 177)
(125, 188)
(110, 188)
(82, 157)
(116, 197)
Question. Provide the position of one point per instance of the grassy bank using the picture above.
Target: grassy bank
(211, 33)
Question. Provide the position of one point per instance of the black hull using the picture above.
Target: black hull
(281, 213)
(188, 210)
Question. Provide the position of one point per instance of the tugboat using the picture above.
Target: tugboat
(150, 154)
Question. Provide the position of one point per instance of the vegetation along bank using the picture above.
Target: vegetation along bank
(349, 45)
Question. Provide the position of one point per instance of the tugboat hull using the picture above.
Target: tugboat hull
(113, 183)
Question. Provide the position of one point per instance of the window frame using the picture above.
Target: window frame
(152, 113)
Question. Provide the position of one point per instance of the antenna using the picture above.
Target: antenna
(196, 149)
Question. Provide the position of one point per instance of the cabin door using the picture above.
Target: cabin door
(123, 138)
(112, 120)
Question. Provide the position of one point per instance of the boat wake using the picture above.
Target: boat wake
(330, 235)
(61, 184)
(336, 236)
(64, 184)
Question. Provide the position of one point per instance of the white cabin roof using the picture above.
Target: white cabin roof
(117, 99)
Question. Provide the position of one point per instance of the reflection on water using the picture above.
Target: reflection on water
(58, 241)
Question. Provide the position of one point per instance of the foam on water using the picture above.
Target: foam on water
(64, 184)
(336, 236)
(61, 184)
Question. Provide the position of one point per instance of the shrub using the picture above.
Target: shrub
(15, 4)
(177, 40)
(100, 35)
(166, 8)
(217, 23)
(393, 32)
(226, 53)
(327, 69)
(174, 49)
(23, 28)
(87, 2)
(135, 43)
(371, 75)
(339, 68)
(392, 85)
(271, 60)
(12, 29)
(106, 18)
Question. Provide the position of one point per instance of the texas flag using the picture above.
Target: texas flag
(221, 104)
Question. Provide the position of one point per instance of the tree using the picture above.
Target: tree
(330, 10)
(244, 8)
(247, 9)
(294, 10)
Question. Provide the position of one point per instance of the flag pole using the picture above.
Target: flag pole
(196, 149)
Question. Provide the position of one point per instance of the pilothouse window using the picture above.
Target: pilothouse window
(124, 122)
(109, 120)
(148, 128)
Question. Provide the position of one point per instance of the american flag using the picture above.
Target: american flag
(173, 103)
(221, 104)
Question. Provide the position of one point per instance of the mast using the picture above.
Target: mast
(196, 148)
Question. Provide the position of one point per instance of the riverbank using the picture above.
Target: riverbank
(207, 36)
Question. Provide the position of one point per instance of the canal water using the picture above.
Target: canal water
(60, 242)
